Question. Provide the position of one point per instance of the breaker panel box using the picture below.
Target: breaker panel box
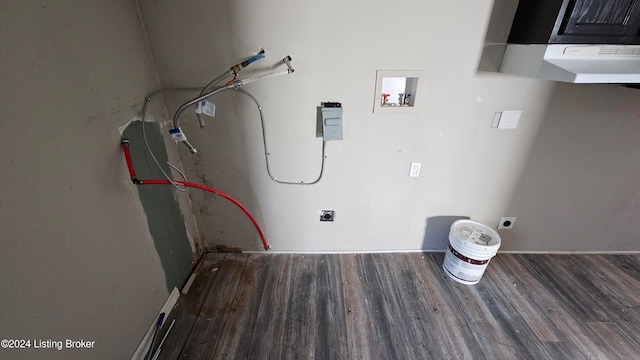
(331, 113)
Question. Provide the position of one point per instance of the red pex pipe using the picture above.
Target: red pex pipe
(217, 192)
(127, 155)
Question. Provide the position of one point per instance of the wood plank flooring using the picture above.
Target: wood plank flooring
(403, 306)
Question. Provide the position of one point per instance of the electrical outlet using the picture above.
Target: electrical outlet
(327, 215)
(507, 222)
(414, 170)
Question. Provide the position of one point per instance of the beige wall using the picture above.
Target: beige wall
(77, 260)
(580, 190)
(469, 168)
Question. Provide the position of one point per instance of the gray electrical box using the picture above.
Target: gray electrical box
(331, 113)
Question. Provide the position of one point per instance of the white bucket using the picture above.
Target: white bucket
(471, 246)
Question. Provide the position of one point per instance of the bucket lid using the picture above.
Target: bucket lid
(475, 233)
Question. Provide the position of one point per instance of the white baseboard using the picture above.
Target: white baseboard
(142, 349)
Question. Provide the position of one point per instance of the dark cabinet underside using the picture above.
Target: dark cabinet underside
(576, 22)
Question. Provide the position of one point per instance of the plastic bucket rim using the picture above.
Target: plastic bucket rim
(472, 246)
(476, 225)
(471, 253)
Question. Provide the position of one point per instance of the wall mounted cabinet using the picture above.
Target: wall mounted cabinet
(576, 22)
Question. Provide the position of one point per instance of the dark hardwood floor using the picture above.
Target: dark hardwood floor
(403, 306)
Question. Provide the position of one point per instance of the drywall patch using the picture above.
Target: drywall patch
(164, 218)
(124, 127)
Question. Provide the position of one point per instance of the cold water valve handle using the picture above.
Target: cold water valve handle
(237, 67)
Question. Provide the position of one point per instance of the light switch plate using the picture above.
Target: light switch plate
(509, 119)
